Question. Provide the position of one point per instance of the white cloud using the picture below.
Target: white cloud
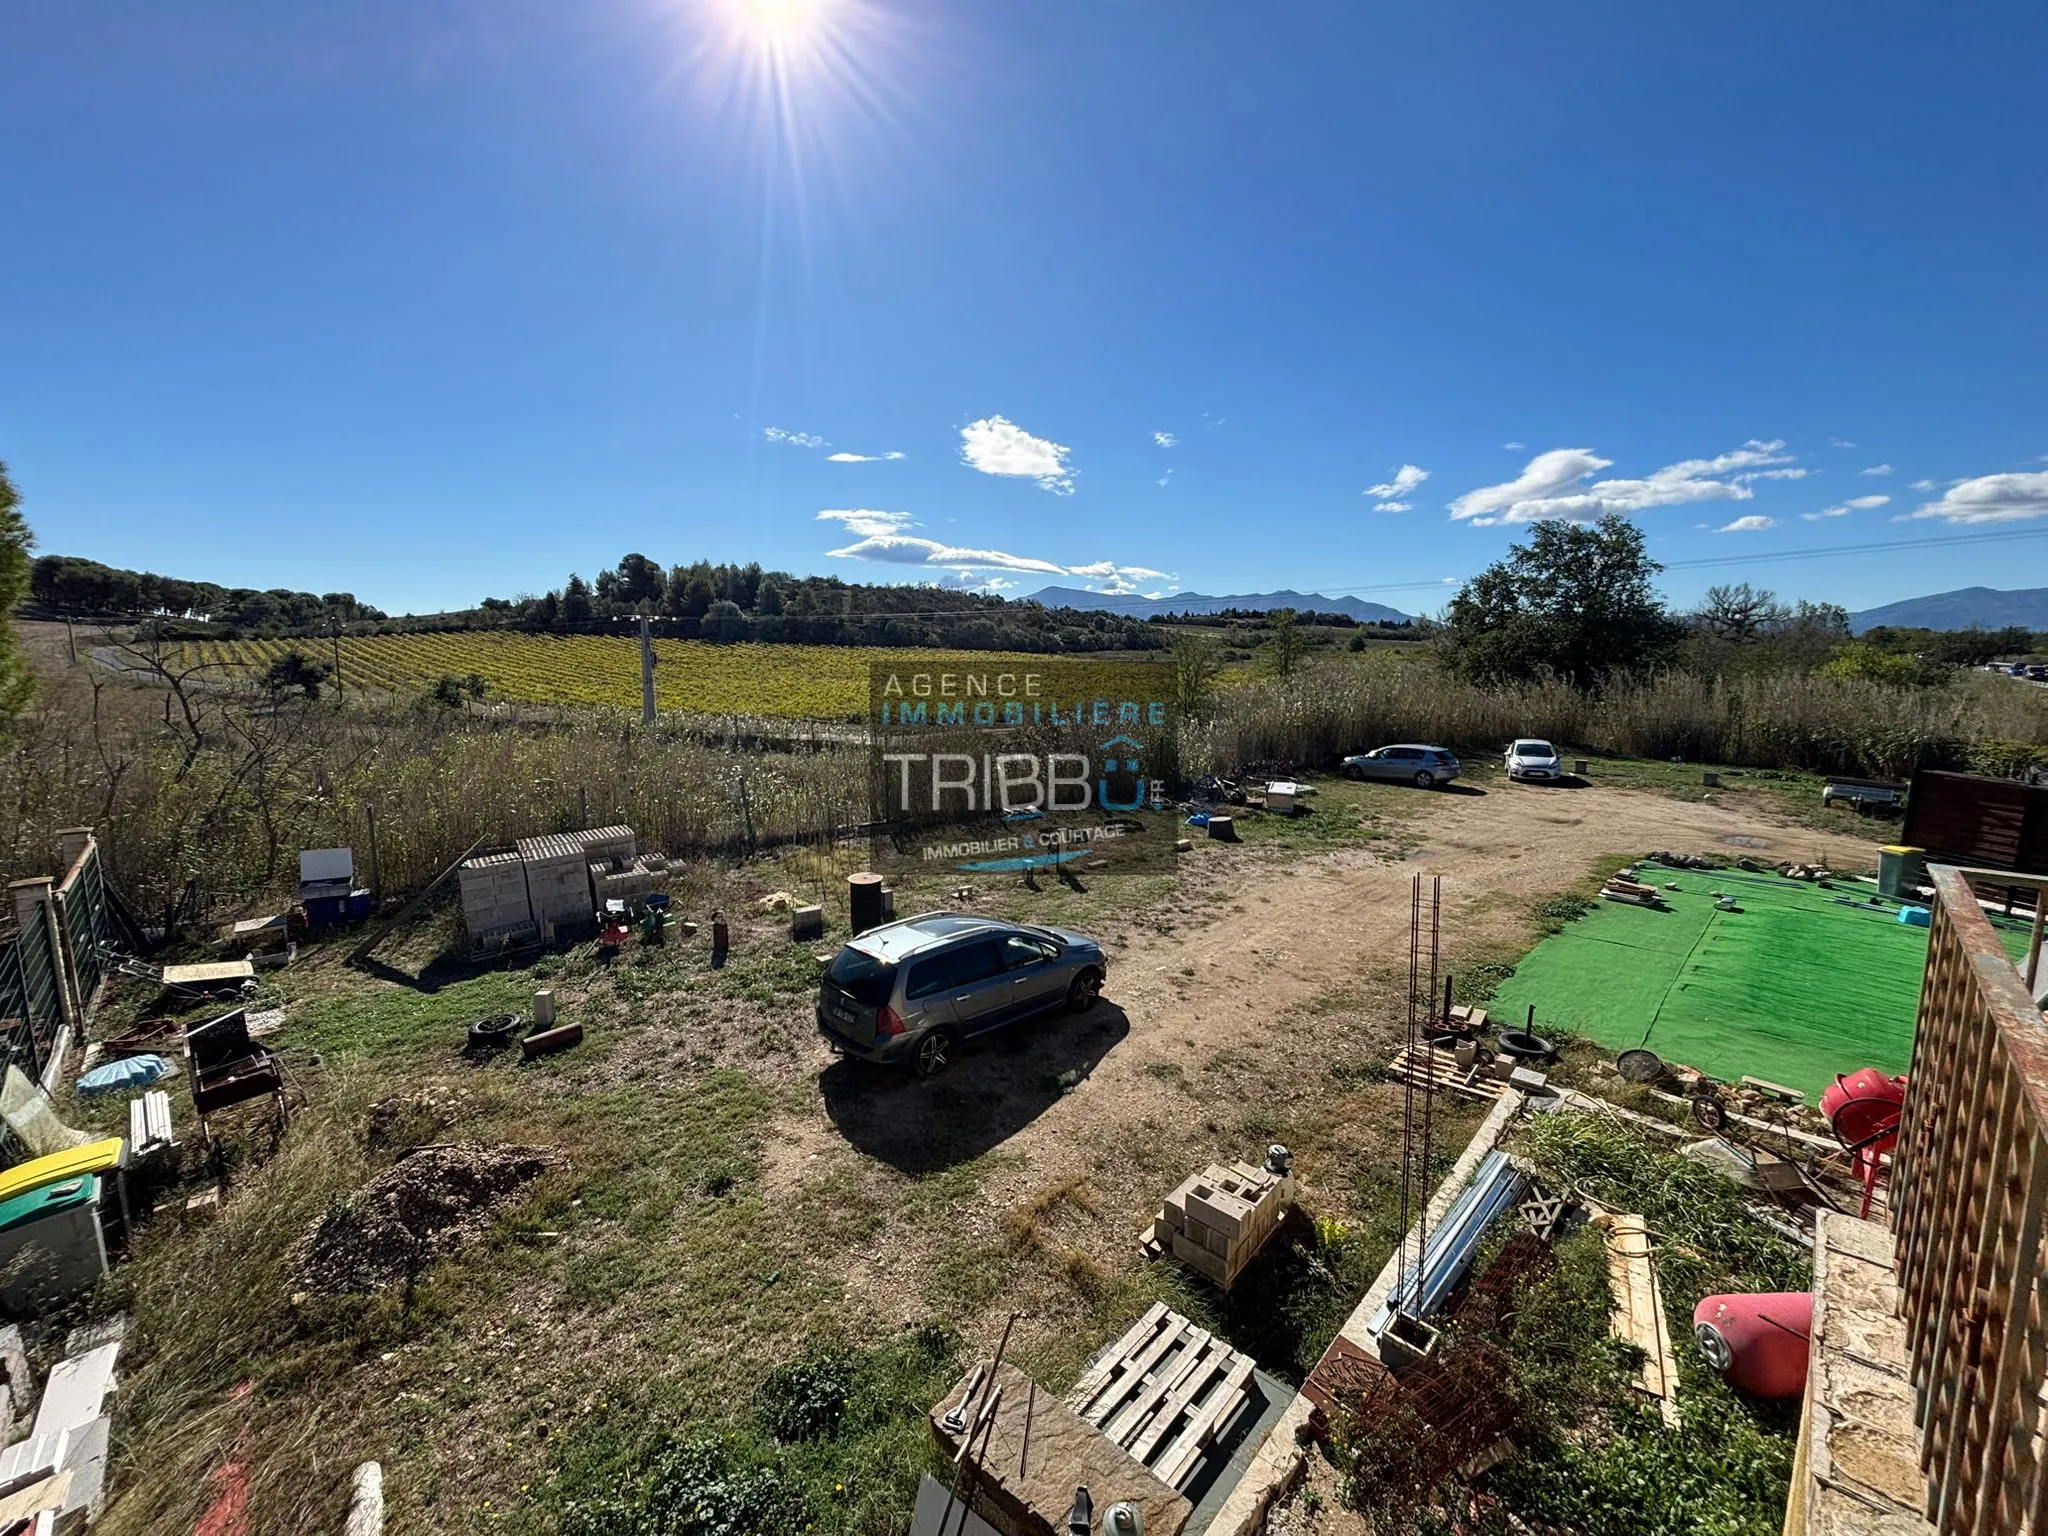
(997, 446)
(1166, 439)
(884, 539)
(794, 439)
(2009, 498)
(862, 458)
(1393, 506)
(1560, 484)
(1877, 469)
(1514, 447)
(1923, 485)
(1840, 442)
(1752, 524)
(1161, 481)
(1390, 492)
(1844, 508)
(1795, 473)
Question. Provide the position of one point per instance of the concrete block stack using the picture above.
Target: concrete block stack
(494, 897)
(557, 878)
(1219, 1218)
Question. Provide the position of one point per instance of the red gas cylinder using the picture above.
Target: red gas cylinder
(1758, 1343)
(1864, 1105)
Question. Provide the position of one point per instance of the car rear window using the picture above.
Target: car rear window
(859, 974)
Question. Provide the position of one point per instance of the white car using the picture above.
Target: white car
(1532, 759)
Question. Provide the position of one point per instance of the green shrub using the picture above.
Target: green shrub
(706, 1485)
(805, 1399)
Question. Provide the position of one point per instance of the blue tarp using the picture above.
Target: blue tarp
(125, 1075)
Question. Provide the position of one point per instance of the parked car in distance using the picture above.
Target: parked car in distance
(912, 991)
(1863, 794)
(1411, 762)
(1529, 758)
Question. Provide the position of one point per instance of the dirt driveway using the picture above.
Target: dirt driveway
(1222, 1031)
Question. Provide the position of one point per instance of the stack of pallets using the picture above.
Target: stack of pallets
(1164, 1392)
(1218, 1218)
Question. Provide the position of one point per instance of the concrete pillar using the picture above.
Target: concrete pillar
(28, 897)
(71, 844)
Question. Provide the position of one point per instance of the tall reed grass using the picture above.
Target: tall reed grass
(1786, 720)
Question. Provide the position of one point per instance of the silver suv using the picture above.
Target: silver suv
(1411, 762)
(912, 991)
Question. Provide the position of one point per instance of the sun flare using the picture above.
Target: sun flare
(780, 21)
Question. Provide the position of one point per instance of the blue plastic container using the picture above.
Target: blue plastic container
(1916, 917)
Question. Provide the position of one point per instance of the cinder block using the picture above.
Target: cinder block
(1216, 1243)
(1214, 1207)
(807, 923)
(1199, 1259)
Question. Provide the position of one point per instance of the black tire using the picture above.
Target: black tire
(1086, 991)
(1524, 1046)
(934, 1053)
(1353, 771)
(495, 1032)
(1425, 780)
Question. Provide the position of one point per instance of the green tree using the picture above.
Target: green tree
(1196, 661)
(576, 601)
(1575, 600)
(295, 671)
(1860, 659)
(1283, 649)
(640, 581)
(15, 542)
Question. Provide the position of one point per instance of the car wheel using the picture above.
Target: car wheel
(1086, 991)
(934, 1053)
(1425, 780)
(1353, 771)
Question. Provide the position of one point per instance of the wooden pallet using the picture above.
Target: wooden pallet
(1467, 1082)
(1164, 1392)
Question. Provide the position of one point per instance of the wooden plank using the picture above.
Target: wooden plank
(1638, 1316)
(1178, 1460)
(1114, 1358)
(1135, 1417)
(1102, 1401)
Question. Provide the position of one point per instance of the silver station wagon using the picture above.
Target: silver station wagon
(913, 991)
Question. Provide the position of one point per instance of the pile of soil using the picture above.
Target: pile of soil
(426, 1205)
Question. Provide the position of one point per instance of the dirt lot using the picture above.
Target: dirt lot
(729, 1191)
(1228, 1020)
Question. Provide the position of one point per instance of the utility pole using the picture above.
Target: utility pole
(337, 661)
(646, 671)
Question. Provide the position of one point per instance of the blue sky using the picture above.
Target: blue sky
(428, 301)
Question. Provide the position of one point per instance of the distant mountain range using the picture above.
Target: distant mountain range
(1968, 608)
(1196, 602)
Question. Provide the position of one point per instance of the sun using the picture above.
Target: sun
(780, 22)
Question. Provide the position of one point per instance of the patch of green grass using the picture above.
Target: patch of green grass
(968, 1276)
(832, 1442)
(1341, 813)
(400, 1021)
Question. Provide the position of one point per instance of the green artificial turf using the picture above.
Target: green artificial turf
(1794, 987)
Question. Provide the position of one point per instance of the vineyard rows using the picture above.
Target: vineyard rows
(806, 682)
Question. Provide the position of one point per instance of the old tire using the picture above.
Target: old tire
(495, 1032)
(934, 1052)
(1086, 991)
(1524, 1046)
